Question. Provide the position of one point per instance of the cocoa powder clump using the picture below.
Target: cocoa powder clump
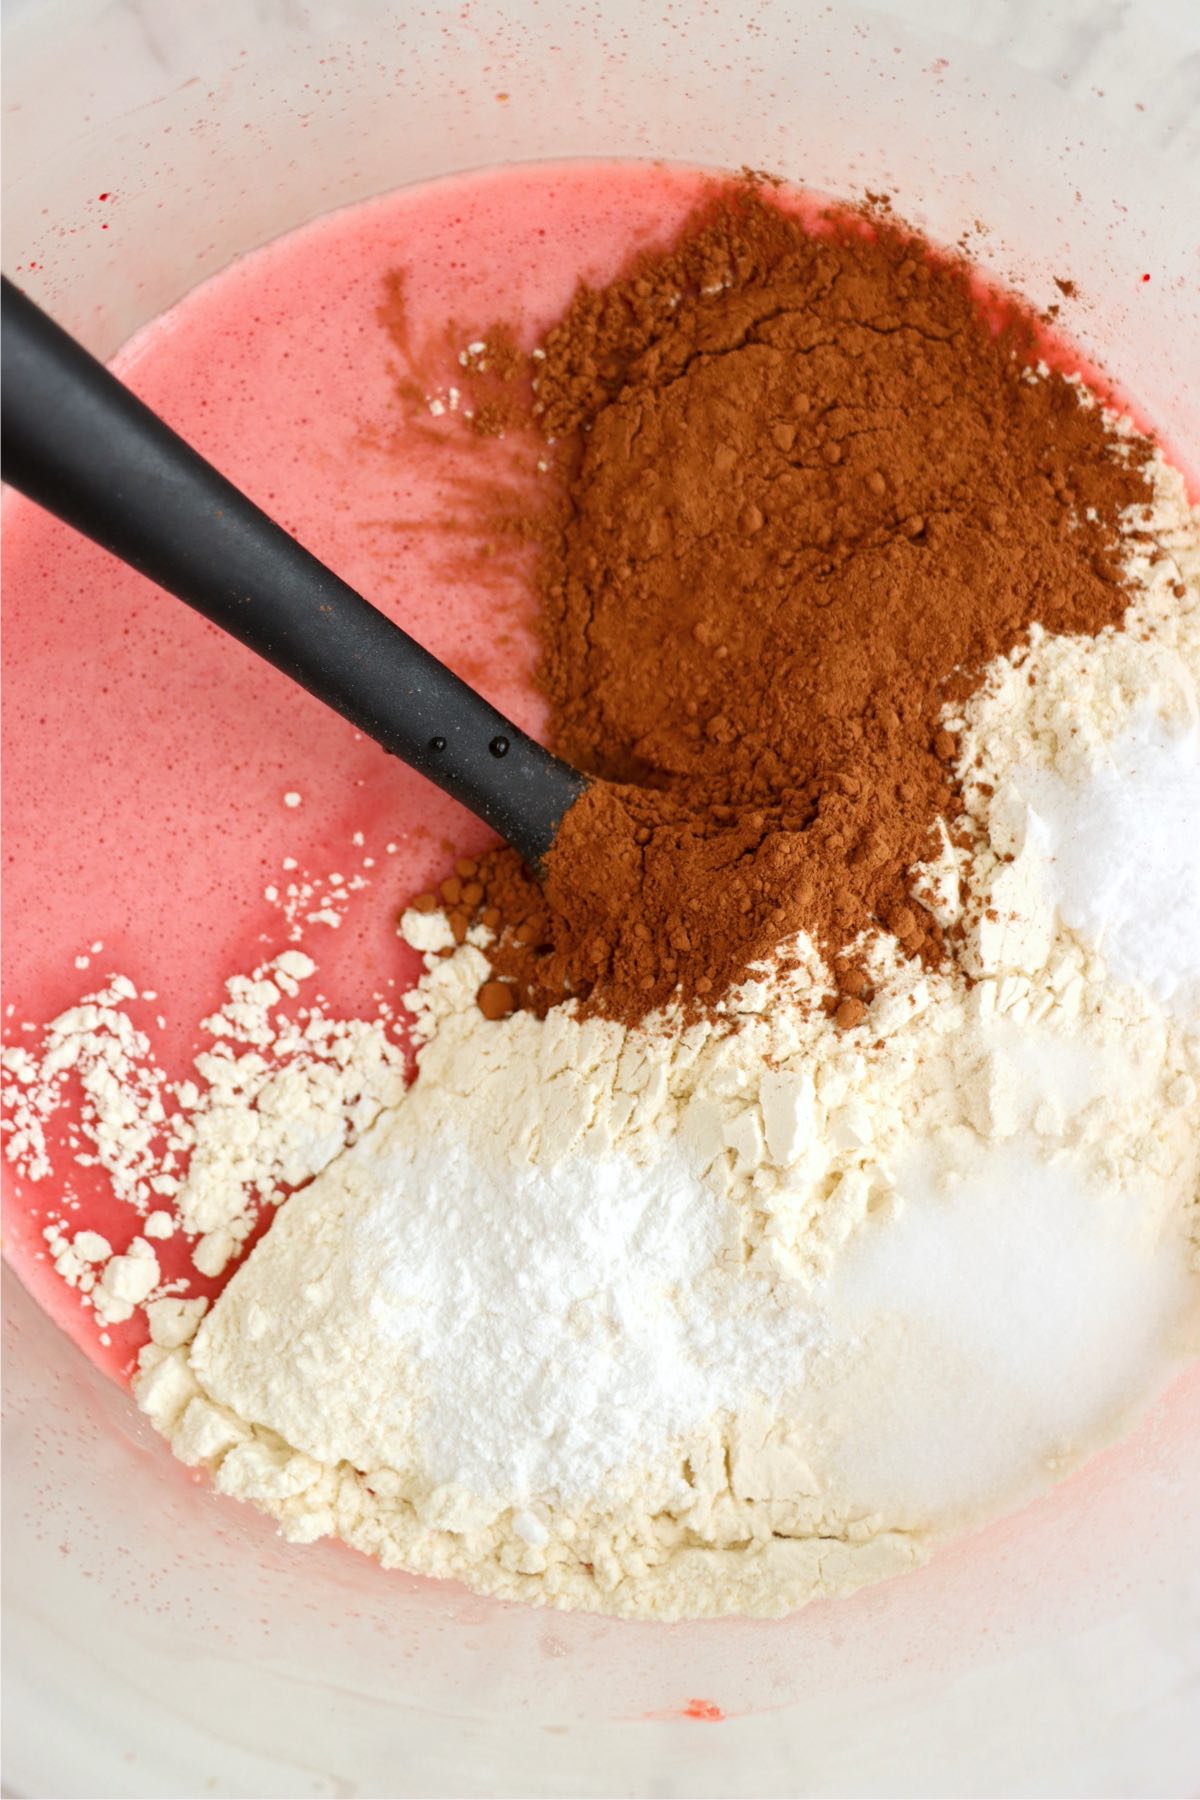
(808, 488)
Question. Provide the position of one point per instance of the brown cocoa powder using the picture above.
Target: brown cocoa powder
(807, 490)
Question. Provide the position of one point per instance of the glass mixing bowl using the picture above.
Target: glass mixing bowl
(163, 1642)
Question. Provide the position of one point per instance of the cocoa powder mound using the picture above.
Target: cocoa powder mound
(808, 489)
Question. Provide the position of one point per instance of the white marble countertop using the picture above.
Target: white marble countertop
(1138, 60)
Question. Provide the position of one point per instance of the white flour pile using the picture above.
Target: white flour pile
(692, 1320)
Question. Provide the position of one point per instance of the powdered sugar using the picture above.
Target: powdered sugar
(603, 1348)
(533, 1329)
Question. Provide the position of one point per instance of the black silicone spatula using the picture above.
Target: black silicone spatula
(80, 444)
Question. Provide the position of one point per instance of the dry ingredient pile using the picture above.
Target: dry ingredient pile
(809, 1167)
(809, 495)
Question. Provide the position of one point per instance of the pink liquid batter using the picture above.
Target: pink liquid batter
(146, 755)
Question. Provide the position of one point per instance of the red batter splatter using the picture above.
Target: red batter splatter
(707, 1710)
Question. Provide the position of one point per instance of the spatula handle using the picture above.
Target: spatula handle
(79, 443)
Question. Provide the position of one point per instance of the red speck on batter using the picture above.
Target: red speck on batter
(707, 1710)
(1145, 278)
(104, 196)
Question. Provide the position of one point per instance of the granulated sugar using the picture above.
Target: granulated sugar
(1080, 762)
(1123, 849)
(1006, 1319)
